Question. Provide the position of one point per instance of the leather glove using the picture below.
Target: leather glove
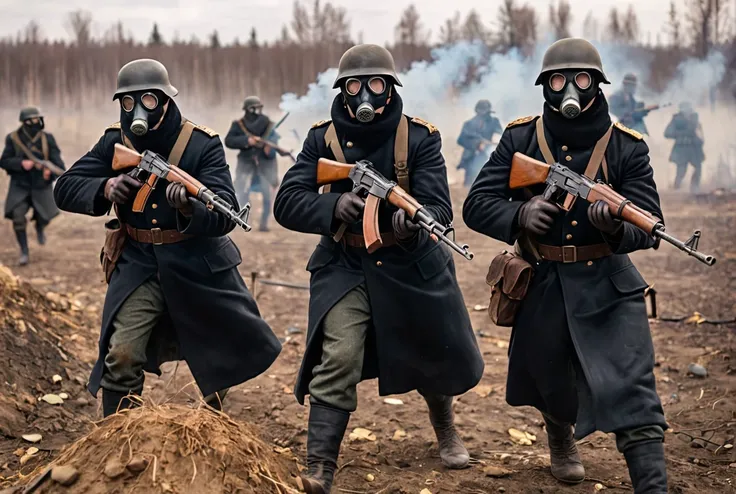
(119, 189)
(404, 228)
(349, 207)
(537, 215)
(176, 196)
(600, 216)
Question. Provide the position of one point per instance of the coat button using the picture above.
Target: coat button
(568, 158)
(349, 144)
(568, 236)
(564, 148)
(589, 263)
(154, 206)
(379, 263)
(574, 223)
(154, 221)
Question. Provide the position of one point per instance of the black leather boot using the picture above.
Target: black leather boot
(564, 459)
(452, 451)
(326, 429)
(647, 467)
(40, 234)
(22, 238)
(114, 401)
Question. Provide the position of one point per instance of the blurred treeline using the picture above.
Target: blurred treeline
(81, 71)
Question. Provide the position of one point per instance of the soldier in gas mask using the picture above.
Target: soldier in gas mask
(397, 314)
(257, 165)
(476, 139)
(686, 130)
(581, 350)
(175, 291)
(626, 108)
(30, 182)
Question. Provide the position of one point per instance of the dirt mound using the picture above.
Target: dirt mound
(172, 448)
(41, 381)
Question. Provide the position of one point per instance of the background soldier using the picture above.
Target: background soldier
(256, 161)
(624, 106)
(175, 291)
(581, 350)
(30, 183)
(396, 314)
(687, 132)
(476, 139)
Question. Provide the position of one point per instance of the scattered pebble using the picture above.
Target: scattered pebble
(56, 378)
(52, 399)
(501, 489)
(65, 475)
(137, 464)
(30, 453)
(697, 370)
(293, 330)
(63, 396)
(361, 434)
(496, 472)
(19, 452)
(674, 398)
(599, 487)
(81, 401)
(114, 469)
(425, 491)
(33, 438)
(393, 401)
(399, 435)
(370, 477)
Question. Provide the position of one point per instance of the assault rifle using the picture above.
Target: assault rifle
(261, 143)
(526, 171)
(642, 111)
(365, 178)
(40, 164)
(154, 164)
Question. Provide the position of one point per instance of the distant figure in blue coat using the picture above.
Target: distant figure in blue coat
(475, 138)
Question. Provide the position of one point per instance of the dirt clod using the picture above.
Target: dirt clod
(137, 464)
(64, 475)
(114, 469)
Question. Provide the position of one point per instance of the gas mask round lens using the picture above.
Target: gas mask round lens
(557, 82)
(127, 103)
(352, 86)
(149, 101)
(377, 85)
(583, 80)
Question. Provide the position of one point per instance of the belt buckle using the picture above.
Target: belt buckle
(569, 254)
(157, 237)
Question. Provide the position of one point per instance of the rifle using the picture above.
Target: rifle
(366, 178)
(526, 171)
(261, 142)
(48, 165)
(153, 163)
(642, 111)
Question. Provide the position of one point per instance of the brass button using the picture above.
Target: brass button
(574, 223)
(154, 221)
(568, 158)
(564, 148)
(349, 144)
(379, 263)
(568, 236)
(589, 263)
(154, 206)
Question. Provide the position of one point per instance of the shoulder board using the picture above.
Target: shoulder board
(636, 135)
(115, 126)
(321, 123)
(520, 121)
(419, 121)
(206, 130)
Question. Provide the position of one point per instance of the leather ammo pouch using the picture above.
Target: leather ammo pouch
(509, 276)
(115, 235)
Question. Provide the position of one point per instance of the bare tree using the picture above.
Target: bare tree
(451, 31)
(326, 23)
(473, 28)
(590, 27)
(630, 26)
(253, 40)
(517, 26)
(674, 26)
(707, 19)
(215, 40)
(155, 39)
(560, 18)
(79, 24)
(614, 29)
(409, 30)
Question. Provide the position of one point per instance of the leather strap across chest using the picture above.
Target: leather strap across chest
(26, 151)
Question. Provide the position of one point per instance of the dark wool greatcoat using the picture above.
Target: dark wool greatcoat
(213, 322)
(30, 185)
(583, 319)
(422, 336)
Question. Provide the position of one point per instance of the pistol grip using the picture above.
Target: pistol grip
(371, 231)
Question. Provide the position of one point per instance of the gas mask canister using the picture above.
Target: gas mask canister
(366, 96)
(570, 91)
(141, 111)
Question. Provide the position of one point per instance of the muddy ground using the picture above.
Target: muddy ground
(702, 408)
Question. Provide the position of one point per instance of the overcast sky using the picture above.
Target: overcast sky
(234, 18)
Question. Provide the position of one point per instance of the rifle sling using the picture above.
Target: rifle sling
(175, 155)
(24, 149)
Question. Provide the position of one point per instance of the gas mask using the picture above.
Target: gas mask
(366, 96)
(570, 91)
(629, 88)
(252, 113)
(34, 125)
(141, 111)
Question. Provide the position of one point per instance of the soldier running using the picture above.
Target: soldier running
(686, 130)
(30, 182)
(175, 291)
(581, 351)
(476, 139)
(397, 314)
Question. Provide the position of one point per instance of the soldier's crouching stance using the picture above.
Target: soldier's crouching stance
(581, 351)
(175, 291)
(396, 314)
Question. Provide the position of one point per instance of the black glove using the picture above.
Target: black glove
(600, 216)
(176, 196)
(404, 228)
(119, 189)
(537, 215)
(349, 207)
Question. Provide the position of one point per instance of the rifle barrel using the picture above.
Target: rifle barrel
(704, 258)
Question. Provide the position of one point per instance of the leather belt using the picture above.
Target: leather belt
(573, 253)
(156, 236)
(358, 241)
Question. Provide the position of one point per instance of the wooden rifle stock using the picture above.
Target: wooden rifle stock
(125, 158)
(623, 208)
(329, 171)
(526, 171)
(177, 175)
